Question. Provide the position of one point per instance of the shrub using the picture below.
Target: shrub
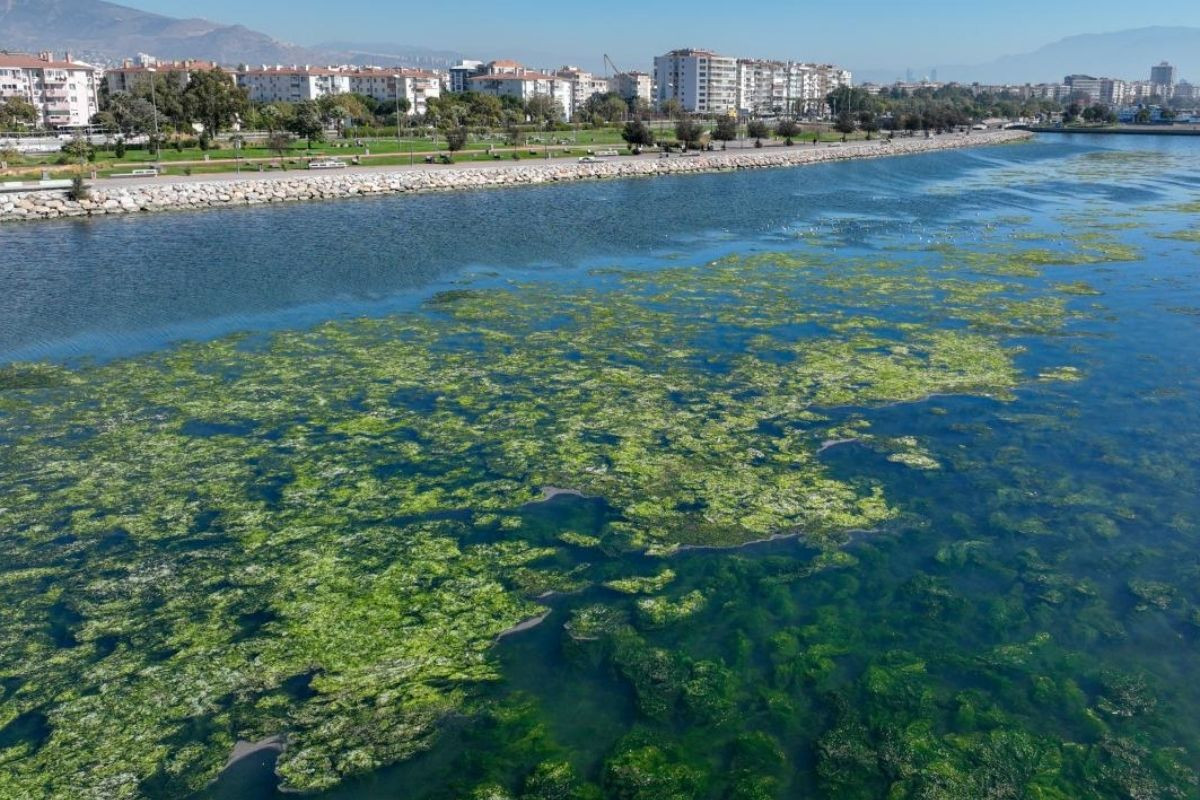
(119, 150)
(79, 190)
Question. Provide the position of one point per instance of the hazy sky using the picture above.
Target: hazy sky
(862, 34)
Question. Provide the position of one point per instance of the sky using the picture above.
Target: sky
(864, 34)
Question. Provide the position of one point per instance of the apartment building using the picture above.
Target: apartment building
(1105, 91)
(632, 86)
(583, 86)
(64, 92)
(775, 87)
(702, 81)
(462, 72)
(126, 77)
(504, 78)
(292, 84)
(385, 85)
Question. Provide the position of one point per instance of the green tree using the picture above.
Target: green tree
(787, 129)
(129, 115)
(757, 129)
(672, 108)
(213, 100)
(689, 132)
(279, 143)
(543, 109)
(637, 133)
(726, 129)
(845, 123)
(17, 111)
(307, 122)
(456, 138)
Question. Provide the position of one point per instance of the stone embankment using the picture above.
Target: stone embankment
(168, 195)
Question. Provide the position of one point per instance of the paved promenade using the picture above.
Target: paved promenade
(130, 196)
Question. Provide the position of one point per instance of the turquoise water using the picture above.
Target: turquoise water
(280, 472)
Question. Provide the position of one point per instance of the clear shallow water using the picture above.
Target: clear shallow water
(1023, 621)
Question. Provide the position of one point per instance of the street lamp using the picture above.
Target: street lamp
(397, 79)
(154, 105)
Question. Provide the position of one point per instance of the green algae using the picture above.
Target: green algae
(323, 537)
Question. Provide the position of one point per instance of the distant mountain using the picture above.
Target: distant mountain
(388, 53)
(1122, 54)
(105, 32)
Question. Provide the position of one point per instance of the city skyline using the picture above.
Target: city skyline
(822, 32)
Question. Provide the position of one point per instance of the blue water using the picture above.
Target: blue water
(1031, 622)
(117, 286)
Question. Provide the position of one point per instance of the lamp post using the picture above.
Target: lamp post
(154, 105)
(397, 79)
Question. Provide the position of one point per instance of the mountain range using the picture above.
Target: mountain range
(1121, 54)
(104, 33)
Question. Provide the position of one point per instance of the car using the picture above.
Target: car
(588, 160)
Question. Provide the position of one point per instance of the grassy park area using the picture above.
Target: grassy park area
(184, 157)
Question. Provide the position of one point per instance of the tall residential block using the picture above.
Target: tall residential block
(64, 92)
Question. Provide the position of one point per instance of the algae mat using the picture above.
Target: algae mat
(321, 533)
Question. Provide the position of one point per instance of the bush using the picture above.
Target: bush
(79, 190)
(119, 150)
(758, 143)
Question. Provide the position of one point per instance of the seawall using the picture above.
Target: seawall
(165, 194)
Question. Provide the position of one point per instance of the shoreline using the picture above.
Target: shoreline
(109, 197)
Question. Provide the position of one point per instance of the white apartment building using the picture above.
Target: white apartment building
(64, 92)
(632, 86)
(384, 85)
(583, 85)
(702, 81)
(505, 78)
(292, 84)
(126, 77)
(774, 87)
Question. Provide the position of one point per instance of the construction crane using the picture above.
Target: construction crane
(608, 62)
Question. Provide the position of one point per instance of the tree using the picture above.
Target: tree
(787, 129)
(637, 133)
(607, 107)
(845, 123)
(337, 108)
(213, 100)
(307, 122)
(672, 108)
(17, 111)
(868, 122)
(542, 108)
(129, 115)
(279, 143)
(689, 132)
(726, 129)
(456, 138)
(757, 129)
(273, 118)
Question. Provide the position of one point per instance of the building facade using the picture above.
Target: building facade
(64, 92)
(766, 87)
(462, 72)
(126, 77)
(583, 86)
(632, 86)
(702, 81)
(386, 85)
(506, 78)
(292, 84)
(1163, 77)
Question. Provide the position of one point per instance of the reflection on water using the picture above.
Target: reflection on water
(967, 380)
